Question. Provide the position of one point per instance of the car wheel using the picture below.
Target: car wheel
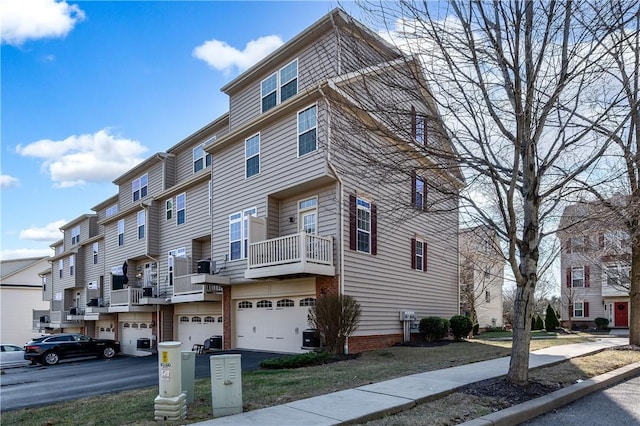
(50, 358)
(108, 352)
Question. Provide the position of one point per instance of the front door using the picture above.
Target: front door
(621, 315)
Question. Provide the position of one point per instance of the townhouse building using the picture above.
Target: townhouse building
(595, 264)
(481, 276)
(233, 233)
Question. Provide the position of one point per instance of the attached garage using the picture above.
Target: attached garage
(105, 330)
(197, 322)
(134, 326)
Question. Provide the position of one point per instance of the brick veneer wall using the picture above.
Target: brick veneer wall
(327, 285)
(367, 343)
(227, 309)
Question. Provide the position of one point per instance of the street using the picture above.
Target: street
(34, 386)
(617, 405)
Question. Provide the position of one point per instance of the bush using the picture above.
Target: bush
(602, 323)
(476, 329)
(434, 328)
(539, 323)
(461, 326)
(336, 318)
(551, 320)
(298, 360)
(495, 329)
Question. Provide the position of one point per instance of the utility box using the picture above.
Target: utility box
(226, 384)
(188, 374)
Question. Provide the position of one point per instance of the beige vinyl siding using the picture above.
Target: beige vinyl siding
(591, 294)
(155, 213)
(184, 163)
(169, 170)
(155, 185)
(47, 293)
(280, 168)
(315, 63)
(356, 53)
(93, 272)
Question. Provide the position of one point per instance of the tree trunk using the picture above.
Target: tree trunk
(523, 307)
(634, 292)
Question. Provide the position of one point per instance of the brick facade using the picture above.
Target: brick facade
(227, 311)
(366, 343)
(327, 285)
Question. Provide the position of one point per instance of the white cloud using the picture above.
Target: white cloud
(22, 20)
(24, 253)
(50, 232)
(222, 57)
(7, 181)
(76, 160)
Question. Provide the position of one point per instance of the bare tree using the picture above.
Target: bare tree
(504, 83)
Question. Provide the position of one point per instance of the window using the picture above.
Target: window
(168, 207)
(285, 303)
(139, 187)
(286, 80)
(264, 304)
(245, 305)
(615, 241)
(308, 213)
(95, 253)
(200, 159)
(418, 254)
(252, 155)
(112, 210)
(239, 233)
(580, 309)
(44, 283)
(577, 244)
(60, 267)
(210, 196)
(421, 133)
(184, 319)
(121, 232)
(141, 223)
(72, 264)
(307, 124)
(181, 252)
(309, 301)
(196, 320)
(181, 209)
(362, 225)
(578, 276)
(418, 192)
(75, 235)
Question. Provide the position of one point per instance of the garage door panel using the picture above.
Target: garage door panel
(195, 329)
(130, 332)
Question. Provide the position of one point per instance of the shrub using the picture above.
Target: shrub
(551, 319)
(336, 318)
(476, 329)
(461, 326)
(602, 323)
(298, 360)
(434, 328)
(539, 323)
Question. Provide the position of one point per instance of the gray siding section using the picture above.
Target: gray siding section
(315, 63)
(155, 185)
(154, 214)
(169, 171)
(280, 168)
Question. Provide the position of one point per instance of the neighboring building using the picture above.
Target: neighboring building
(235, 232)
(21, 284)
(481, 276)
(595, 264)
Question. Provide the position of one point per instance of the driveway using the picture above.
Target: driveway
(35, 386)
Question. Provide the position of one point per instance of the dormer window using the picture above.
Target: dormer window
(75, 235)
(139, 187)
(279, 86)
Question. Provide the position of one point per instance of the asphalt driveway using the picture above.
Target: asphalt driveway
(34, 386)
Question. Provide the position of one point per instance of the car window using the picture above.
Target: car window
(60, 339)
(82, 338)
(11, 348)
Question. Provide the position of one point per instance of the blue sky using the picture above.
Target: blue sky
(89, 89)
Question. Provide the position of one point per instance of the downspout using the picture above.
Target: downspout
(146, 253)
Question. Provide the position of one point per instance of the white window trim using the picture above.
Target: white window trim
(205, 157)
(138, 182)
(358, 229)
(141, 214)
(254, 155)
(308, 130)
(279, 84)
(581, 302)
(576, 268)
(244, 223)
(168, 208)
(121, 229)
(75, 235)
(420, 264)
(178, 209)
(303, 211)
(423, 193)
(72, 264)
(96, 250)
(111, 210)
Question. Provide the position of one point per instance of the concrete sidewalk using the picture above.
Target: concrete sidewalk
(392, 396)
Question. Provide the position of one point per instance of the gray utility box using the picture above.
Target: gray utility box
(226, 384)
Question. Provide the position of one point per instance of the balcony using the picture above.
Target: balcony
(190, 288)
(55, 319)
(295, 254)
(132, 299)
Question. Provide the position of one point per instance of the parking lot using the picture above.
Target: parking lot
(33, 386)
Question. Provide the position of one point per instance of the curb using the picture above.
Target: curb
(528, 410)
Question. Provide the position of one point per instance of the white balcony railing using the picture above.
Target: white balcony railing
(302, 249)
(185, 285)
(126, 297)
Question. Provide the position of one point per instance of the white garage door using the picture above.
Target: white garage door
(272, 324)
(105, 332)
(130, 332)
(195, 329)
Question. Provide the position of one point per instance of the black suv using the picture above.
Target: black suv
(49, 350)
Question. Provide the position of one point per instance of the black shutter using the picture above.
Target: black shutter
(586, 275)
(353, 234)
(413, 188)
(424, 256)
(413, 253)
(413, 123)
(374, 229)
